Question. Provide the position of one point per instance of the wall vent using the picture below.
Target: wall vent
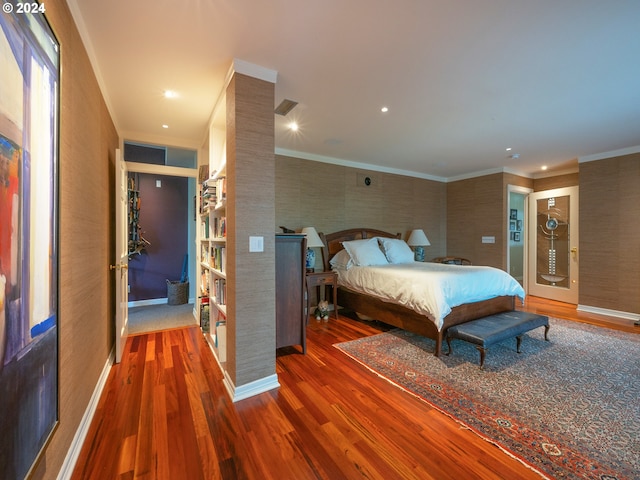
(285, 107)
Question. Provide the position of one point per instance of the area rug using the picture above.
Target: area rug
(569, 408)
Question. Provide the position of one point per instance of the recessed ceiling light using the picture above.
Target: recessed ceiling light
(544, 167)
(170, 94)
(165, 126)
(384, 109)
(293, 126)
(508, 149)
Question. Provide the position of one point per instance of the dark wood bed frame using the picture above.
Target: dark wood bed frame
(397, 315)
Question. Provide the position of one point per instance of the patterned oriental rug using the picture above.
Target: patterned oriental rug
(569, 408)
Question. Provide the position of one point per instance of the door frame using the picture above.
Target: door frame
(526, 191)
(570, 295)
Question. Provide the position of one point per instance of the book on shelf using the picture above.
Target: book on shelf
(219, 258)
(220, 291)
(204, 254)
(220, 227)
(204, 283)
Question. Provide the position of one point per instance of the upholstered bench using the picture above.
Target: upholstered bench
(487, 331)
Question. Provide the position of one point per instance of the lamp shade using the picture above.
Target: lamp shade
(313, 239)
(418, 239)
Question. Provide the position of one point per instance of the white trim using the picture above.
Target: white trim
(491, 171)
(83, 428)
(255, 71)
(250, 389)
(146, 303)
(609, 312)
(556, 173)
(611, 154)
(348, 163)
(153, 169)
(398, 171)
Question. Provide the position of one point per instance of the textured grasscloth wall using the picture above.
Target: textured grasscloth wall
(250, 212)
(475, 208)
(559, 181)
(610, 233)
(332, 197)
(88, 140)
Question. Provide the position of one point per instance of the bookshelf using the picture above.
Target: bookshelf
(213, 261)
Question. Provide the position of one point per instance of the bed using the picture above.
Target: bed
(421, 320)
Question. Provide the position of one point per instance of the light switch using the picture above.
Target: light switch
(256, 244)
(158, 183)
(488, 239)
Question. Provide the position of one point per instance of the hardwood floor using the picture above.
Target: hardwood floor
(164, 414)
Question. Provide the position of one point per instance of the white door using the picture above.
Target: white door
(121, 268)
(553, 244)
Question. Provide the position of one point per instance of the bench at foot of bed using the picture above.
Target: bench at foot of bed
(492, 329)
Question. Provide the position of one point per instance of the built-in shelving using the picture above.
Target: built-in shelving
(213, 289)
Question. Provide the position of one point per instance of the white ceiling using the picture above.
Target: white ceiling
(463, 79)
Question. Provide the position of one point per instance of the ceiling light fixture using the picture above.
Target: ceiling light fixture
(508, 149)
(544, 167)
(165, 126)
(384, 109)
(285, 107)
(170, 94)
(293, 126)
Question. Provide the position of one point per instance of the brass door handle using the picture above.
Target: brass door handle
(119, 266)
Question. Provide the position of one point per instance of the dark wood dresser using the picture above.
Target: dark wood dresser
(290, 272)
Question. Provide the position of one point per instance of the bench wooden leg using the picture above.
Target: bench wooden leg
(449, 349)
(482, 351)
(546, 332)
(518, 343)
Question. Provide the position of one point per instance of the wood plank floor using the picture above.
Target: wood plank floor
(164, 414)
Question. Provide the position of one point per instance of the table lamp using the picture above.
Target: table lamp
(313, 241)
(418, 240)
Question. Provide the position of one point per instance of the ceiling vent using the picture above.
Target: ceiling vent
(285, 107)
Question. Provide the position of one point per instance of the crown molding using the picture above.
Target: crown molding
(610, 154)
(360, 165)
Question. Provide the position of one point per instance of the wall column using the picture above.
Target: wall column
(251, 325)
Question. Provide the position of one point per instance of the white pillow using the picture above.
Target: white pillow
(341, 261)
(396, 250)
(365, 252)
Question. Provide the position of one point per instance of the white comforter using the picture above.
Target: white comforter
(431, 289)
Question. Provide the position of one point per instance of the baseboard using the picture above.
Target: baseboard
(78, 440)
(609, 312)
(250, 389)
(146, 303)
(154, 301)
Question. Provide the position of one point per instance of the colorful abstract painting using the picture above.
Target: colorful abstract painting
(29, 85)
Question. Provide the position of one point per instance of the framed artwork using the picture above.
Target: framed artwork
(512, 225)
(519, 225)
(516, 236)
(513, 214)
(29, 93)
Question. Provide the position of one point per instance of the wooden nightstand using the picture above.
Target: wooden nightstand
(318, 279)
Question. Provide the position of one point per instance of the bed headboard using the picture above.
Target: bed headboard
(333, 241)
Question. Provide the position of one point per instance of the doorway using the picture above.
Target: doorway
(553, 240)
(517, 215)
(165, 181)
